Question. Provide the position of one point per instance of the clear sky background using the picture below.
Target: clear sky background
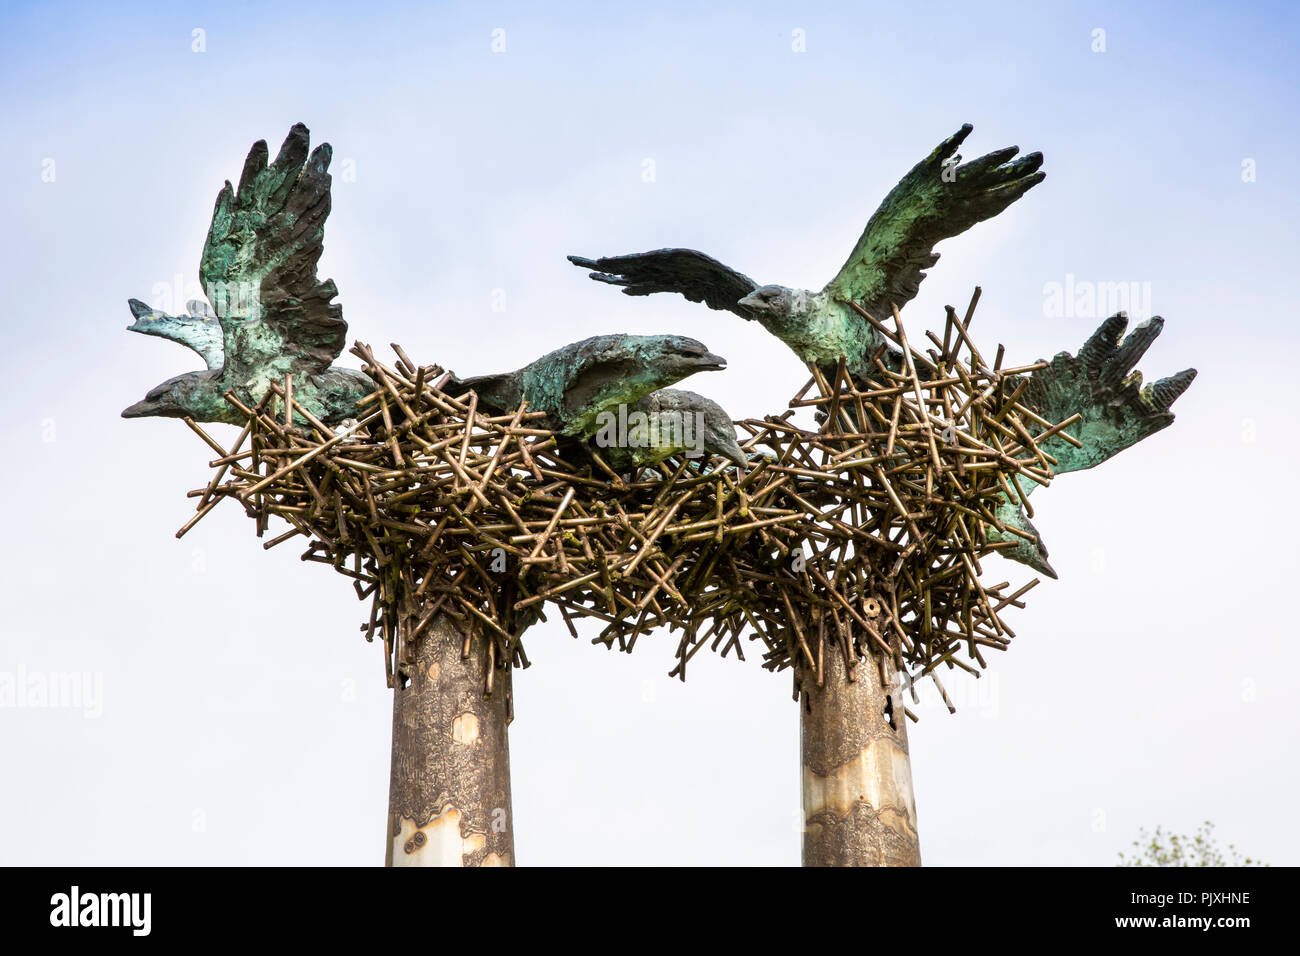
(244, 719)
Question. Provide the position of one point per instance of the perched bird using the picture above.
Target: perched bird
(573, 385)
(936, 200)
(667, 422)
(258, 270)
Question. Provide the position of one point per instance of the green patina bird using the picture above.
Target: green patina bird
(667, 422)
(258, 270)
(580, 383)
(936, 200)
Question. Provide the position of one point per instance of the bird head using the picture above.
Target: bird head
(1031, 552)
(682, 421)
(175, 398)
(719, 434)
(771, 300)
(678, 356)
(715, 433)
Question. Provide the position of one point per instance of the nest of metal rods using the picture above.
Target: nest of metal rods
(861, 538)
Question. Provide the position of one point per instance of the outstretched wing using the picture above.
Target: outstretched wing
(699, 277)
(259, 264)
(936, 200)
(198, 330)
(1102, 386)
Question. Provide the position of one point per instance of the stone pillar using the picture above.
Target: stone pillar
(449, 786)
(856, 774)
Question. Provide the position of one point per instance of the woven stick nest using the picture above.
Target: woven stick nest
(860, 538)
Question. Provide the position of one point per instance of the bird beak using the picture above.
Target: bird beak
(1042, 567)
(144, 409)
(708, 362)
(752, 301)
(734, 452)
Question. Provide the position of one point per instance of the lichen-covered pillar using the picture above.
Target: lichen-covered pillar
(449, 786)
(856, 774)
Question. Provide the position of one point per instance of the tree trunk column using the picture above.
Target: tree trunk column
(449, 787)
(857, 777)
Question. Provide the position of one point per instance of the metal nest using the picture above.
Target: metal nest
(861, 538)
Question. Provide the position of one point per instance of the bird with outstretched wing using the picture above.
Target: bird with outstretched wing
(937, 199)
(258, 271)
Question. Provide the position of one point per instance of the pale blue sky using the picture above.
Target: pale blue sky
(1155, 683)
